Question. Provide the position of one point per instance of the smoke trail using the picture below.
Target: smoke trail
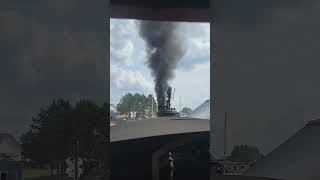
(164, 41)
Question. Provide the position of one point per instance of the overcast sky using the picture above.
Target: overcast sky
(266, 71)
(58, 49)
(267, 54)
(130, 73)
(50, 49)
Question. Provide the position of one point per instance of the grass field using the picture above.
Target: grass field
(45, 174)
(236, 177)
(36, 173)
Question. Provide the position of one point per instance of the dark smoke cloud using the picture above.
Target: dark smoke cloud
(164, 41)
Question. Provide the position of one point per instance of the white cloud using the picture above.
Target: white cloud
(198, 30)
(142, 56)
(122, 35)
(192, 85)
(122, 51)
(198, 47)
(124, 28)
(111, 26)
(198, 42)
(206, 29)
(125, 78)
(201, 67)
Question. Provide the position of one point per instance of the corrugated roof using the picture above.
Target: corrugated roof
(298, 158)
(203, 111)
(156, 127)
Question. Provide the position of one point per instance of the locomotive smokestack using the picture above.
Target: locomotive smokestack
(169, 92)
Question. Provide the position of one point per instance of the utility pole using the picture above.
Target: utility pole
(225, 134)
(134, 110)
(76, 160)
(180, 103)
(152, 106)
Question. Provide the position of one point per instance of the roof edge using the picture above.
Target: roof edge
(315, 122)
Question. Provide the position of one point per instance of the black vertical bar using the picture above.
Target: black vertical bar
(225, 133)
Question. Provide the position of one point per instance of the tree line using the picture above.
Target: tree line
(54, 129)
(246, 153)
(137, 102)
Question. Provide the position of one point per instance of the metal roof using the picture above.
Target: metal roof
(134, 129)
(203, 111)
(298, 158)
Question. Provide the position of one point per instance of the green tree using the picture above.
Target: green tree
(136, 102)
(46, 141)
(150, 101)
(89, 122)
(53, 132)
(102, 148)
(245, 153)
(126, 104)
(186, 110)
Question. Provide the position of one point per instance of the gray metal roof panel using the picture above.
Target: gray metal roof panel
(296, 159)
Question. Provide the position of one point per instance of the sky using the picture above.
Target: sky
(56, 49)
(266, 70)
(50, 49)
(266, 52)
(129, 71)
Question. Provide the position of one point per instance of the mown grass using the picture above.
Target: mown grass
(45, 174)
(35, 173)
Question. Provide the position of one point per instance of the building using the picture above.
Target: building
(203, 111)
(295, 159)
(10, 158)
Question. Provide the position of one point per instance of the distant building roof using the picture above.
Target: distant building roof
(297, 158)
(156, 127)
(203, 111)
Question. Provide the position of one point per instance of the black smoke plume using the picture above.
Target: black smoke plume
(164, 41)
